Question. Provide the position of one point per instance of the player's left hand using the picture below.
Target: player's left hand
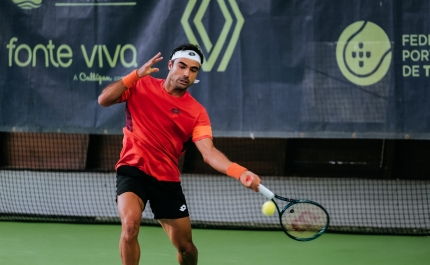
(147, 69)
(250, 180)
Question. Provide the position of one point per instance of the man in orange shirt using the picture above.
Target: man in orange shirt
(161, 116)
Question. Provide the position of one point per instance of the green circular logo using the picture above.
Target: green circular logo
(363, 53)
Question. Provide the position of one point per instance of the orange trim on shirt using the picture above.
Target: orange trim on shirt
(201, 137)
(201, 132)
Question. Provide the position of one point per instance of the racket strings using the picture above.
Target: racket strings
(304, 220)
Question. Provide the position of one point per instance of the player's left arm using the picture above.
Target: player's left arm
(221, 163)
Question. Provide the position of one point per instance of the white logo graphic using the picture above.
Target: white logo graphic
(183, 208)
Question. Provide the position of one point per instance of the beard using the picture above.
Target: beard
(183, 83)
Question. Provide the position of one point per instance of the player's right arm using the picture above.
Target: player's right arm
(221, 163)
(113, 92)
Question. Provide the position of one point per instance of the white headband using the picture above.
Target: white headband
(187, 54)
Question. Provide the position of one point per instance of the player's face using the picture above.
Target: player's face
(183, 72)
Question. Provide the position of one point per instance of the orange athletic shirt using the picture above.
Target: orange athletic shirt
(157, 127)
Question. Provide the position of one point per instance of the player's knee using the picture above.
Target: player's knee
(130, 228)
(188, 249)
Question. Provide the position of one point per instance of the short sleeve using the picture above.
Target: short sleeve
(125, 95)
(203, 128)
(130, 90)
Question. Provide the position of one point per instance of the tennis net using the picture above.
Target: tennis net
(69, 178)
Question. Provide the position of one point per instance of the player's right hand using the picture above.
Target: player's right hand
(250, 180)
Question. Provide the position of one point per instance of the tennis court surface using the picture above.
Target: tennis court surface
(71, 244)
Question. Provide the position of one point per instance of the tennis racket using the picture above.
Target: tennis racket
(302, 220)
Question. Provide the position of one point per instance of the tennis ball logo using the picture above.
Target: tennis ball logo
(363, 53)
(28, 4)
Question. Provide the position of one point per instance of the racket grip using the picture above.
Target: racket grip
(266, 192)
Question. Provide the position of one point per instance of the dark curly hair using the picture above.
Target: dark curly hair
(189, 46)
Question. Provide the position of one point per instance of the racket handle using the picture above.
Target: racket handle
(266, 192)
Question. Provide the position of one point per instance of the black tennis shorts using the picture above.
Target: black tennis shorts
(166, 198)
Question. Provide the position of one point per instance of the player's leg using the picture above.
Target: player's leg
(179, 232)
(130, 208)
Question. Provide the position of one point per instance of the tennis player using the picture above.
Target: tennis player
(161, 116)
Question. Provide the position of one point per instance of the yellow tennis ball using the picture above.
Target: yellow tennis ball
(268, 208)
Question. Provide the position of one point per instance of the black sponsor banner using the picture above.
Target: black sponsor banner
(304, 68)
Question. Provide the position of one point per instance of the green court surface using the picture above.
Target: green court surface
(53, 243)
